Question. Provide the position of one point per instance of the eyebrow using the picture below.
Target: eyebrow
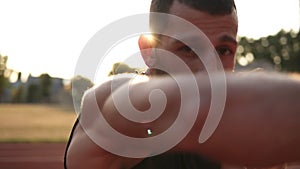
(179, 42)
(227, 38)
(223, 38)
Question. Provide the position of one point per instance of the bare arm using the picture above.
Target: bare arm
(260, 125)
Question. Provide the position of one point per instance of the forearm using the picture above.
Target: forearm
(259, 125)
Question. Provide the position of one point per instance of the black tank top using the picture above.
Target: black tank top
(163, 161)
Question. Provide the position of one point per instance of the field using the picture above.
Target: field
(35, 123)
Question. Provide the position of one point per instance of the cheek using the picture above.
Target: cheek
(228, 63)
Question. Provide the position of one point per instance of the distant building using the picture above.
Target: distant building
(34, 90)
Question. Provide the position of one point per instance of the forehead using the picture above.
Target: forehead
(213, 26)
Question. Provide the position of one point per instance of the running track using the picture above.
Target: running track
(40, 156)
(32, 156)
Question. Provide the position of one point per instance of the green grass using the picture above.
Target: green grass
(35, 123)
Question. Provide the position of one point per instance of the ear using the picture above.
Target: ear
(146, 44)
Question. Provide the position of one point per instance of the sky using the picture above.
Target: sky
(40, 36)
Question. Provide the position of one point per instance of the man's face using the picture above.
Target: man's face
(220, 30)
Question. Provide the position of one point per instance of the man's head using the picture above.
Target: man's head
(217, 19)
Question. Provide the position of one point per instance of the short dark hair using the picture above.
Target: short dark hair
(212, 7)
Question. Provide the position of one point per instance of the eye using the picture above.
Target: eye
(224, 51)
(186, 52)
(185, 49)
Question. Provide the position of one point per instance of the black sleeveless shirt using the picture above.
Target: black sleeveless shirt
(163, 161)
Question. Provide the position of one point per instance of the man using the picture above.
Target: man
(245, 135)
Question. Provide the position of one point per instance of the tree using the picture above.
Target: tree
(281, 51)
(79, 86)
(119, 68)
(46, 83)
(33, 93)
(3, 80)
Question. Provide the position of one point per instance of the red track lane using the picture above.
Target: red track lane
(32, 155)
(41, 156)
